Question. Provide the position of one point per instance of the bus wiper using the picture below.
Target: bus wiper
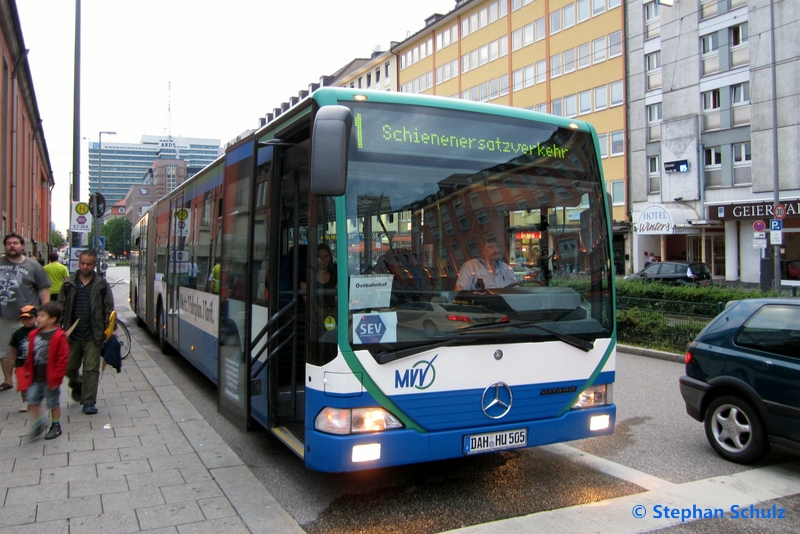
(386, 357)
(576, 342)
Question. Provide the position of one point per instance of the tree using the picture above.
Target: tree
(56, 239)
(117, 232)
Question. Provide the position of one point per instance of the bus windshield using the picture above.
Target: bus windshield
(468, 228)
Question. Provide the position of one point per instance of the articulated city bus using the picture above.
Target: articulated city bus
(381, 278)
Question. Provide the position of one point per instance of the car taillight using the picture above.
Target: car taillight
(458, 318)
(690, 352)
(505, 319)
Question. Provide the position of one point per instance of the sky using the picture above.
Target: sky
(192, 68)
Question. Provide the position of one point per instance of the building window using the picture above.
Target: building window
(569, 60)
(503, 84)
(585, 102)
(600, 98)
(568, 13)
(483, 52)
(740, 93)
(517, 76)
(494, 88)
(602, 143)
(713, 166)
(541, 108)
(386, 68)
(618, 192)
(473, 60)
(613, 3)
(503, 43)
(570, 106)
(709, 43)
(584, 56)
(528, 75)
(653, 175)
(483, 17)
(652, 11)
(541, 71)
(555, 21)
(583, 10)
(652, 63)
(556, 107)
(711, 100)
(713, 157)
(473, 23)
(599, 50)
(615, 44)
(654, 113)
(539, 29)
(738, 34)
(742, 162)
(494, 51)
(598, 7)
(652, 14)
(369, 79)
(493, 12)
(516, 40)
(617, 143)
(527, 35)
(555, 66)
(617, 93)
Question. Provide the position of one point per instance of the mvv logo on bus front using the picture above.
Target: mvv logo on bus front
(421, 375)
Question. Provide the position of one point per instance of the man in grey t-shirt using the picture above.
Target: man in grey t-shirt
(23, 282)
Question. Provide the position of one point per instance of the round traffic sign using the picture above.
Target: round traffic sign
(759, 226)
(780, 211)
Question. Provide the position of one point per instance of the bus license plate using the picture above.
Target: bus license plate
(496, 441)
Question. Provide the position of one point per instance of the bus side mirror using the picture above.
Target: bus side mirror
(329, 150)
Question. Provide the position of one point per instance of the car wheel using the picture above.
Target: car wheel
(430, 329)
(735, 431)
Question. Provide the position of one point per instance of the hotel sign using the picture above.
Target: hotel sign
(764, 210)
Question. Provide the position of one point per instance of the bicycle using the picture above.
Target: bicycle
(124, 338)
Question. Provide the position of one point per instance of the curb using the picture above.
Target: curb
(650, 353)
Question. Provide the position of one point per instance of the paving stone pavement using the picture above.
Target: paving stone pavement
(148, 461)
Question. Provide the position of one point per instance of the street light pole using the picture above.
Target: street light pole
(98, 244)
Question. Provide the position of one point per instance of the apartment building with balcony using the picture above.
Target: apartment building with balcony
(706, 128)
(564, 57)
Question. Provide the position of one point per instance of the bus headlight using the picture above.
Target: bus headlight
(593, 396)
(355, 420)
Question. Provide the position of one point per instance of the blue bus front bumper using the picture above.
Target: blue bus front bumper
(332, 453)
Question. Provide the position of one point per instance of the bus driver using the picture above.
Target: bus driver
(487, 271)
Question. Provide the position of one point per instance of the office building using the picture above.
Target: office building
(125, 164)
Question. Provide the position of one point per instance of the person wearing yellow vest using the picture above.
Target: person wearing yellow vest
(57, 273)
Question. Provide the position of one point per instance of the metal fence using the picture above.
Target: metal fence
(662, 324)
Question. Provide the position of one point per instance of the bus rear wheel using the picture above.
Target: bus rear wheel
(161, 331)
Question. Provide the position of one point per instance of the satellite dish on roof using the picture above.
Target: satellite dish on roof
(377, 48)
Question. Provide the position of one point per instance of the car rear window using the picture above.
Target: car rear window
(700, 268)
(774, 328)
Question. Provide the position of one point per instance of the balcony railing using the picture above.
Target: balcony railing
(710, 64)
(740, 56)
(742, 175)
(654, 80)
(741, 115)
(711, 121)
(713, 177)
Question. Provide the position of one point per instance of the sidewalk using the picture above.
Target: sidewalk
(147, 462)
